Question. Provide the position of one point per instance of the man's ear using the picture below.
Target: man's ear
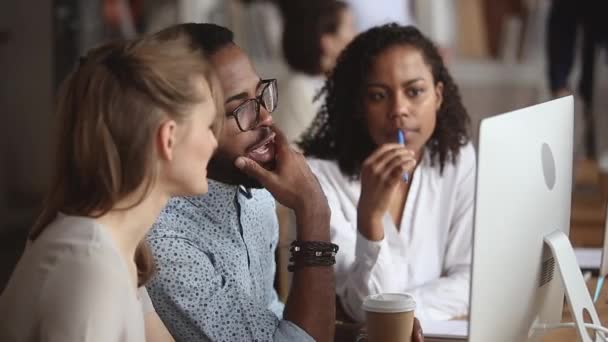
(166, 138)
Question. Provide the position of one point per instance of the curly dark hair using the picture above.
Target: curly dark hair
(337, 134)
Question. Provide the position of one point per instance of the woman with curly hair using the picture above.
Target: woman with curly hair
(391, 150)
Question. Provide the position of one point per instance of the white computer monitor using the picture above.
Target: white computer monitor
(523, 194)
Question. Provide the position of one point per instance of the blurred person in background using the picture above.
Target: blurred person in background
(314, 34)
(566, 19)
(395, 235)
(136, 124)
(368, 14)
(435, 18)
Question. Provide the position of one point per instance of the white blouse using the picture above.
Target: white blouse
(72, 284)
(429, 257)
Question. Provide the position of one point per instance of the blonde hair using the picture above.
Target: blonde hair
(109, 109)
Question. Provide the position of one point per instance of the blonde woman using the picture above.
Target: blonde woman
(136, 125)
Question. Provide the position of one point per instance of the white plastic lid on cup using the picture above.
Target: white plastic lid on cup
(389, 303)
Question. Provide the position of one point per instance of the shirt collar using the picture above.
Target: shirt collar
(221, 194)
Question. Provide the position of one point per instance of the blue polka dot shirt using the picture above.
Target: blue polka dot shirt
(215, 258)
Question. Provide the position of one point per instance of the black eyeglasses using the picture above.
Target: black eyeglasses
(247, 114)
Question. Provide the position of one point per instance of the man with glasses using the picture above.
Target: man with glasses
(215, 254)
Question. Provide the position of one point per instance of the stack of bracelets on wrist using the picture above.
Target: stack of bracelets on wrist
(311, 253)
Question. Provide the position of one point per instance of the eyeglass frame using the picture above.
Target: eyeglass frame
(259, 102)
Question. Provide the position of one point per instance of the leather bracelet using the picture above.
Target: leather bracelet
(317, 246)
(311, 259)
(297, 264)
(311, 254)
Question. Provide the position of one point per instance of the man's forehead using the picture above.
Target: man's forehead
(234, 70)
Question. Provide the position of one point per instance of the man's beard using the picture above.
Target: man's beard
(222, 169)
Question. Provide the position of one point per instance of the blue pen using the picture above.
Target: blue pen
(598, 288)
(401, 140)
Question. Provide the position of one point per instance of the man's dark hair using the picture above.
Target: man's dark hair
(305, 22)
(208, 37)
(338, 133)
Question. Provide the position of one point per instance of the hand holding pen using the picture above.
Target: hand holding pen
(381, 173)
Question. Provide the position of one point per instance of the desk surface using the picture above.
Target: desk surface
(569, 334)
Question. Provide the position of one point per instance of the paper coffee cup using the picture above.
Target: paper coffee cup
(389, 317)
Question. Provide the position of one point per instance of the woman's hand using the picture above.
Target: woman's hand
(381, 172)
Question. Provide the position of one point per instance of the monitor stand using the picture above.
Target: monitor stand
(574, 284)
